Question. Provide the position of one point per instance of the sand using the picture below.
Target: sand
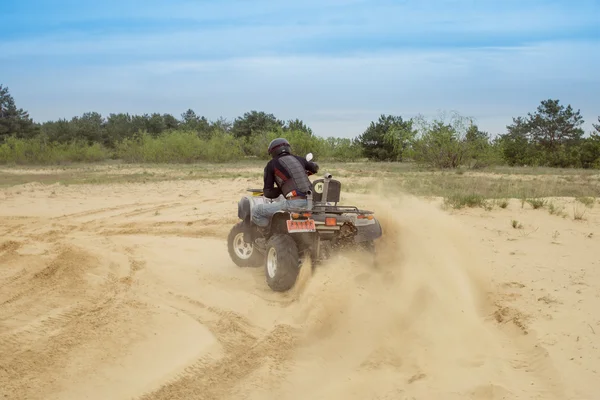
(127, 292)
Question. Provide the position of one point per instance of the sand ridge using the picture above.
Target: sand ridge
(126, 291)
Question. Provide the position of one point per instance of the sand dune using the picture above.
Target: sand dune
(127, 292)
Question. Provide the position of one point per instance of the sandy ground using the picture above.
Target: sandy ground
(127, 292)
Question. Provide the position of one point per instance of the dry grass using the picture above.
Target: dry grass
(587, 201)
(103, 173)
(463, 188)
(579, 212)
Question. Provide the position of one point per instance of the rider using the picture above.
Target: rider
(289, 173)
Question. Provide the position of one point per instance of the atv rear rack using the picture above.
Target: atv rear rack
(322, 209)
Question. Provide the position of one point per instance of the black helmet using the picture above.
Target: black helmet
(279, 146)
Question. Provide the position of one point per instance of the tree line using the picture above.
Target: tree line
(550, 136)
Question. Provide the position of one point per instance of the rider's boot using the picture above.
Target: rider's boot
(261, 236)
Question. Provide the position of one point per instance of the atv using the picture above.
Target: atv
(292, 234)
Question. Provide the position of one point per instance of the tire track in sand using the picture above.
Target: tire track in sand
(111, 224)
(525, 353)
(247, 348)
(120, 207)
(51, 312)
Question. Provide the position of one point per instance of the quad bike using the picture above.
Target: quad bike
(295, 233)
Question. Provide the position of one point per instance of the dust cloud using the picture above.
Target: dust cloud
(419, 323)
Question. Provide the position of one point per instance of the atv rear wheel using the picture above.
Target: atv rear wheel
(282, 263)
(242, 253)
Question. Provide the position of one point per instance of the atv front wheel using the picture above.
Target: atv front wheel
(282, 263)
(242, 253)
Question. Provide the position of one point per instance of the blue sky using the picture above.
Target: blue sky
(336, 64)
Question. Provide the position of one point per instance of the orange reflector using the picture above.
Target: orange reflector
(370, 217)
(306, 215)
(330, 221)
(295, 215)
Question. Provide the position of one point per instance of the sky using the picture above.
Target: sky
(336, 64)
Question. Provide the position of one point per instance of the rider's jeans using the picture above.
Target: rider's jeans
(261, 214)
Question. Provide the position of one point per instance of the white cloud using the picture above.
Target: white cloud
(240, 28)
(334, 95)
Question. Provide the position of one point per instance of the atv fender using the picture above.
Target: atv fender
(244, 213)
(277, 223)
(369, 232)
(244, 209)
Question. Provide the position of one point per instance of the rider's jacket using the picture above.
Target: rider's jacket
(288, 171)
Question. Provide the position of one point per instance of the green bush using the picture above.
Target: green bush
(38, 150)
(179, 147)
(334, 149)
